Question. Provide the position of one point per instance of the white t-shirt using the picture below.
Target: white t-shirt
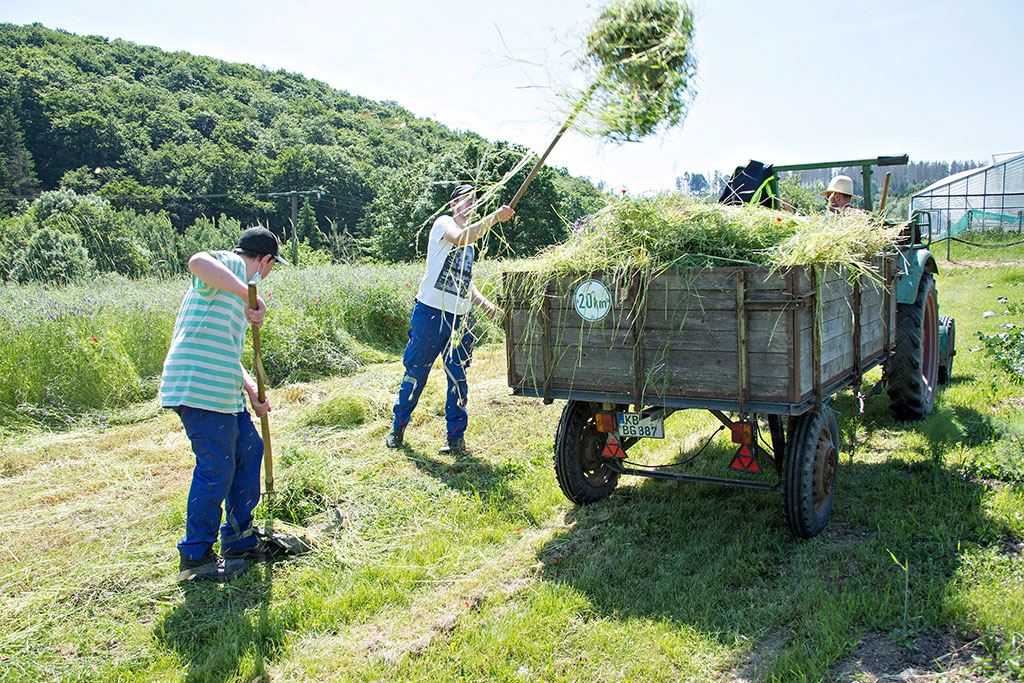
(445, 284)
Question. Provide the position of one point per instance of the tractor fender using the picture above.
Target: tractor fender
(911, 263)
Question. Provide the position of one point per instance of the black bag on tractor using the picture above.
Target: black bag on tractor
(751, 184)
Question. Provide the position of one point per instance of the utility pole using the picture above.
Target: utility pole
(294, 195)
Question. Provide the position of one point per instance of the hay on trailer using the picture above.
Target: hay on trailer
(650, 235)
(648, 259)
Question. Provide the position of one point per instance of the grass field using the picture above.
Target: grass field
(426, 569)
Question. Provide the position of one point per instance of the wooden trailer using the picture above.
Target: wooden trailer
(753, 342)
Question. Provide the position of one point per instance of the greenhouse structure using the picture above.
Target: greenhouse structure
(987, 198)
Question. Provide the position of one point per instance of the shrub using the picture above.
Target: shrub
(51, 256)
(105, 233)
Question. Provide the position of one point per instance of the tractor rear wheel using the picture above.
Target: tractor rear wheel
(911, 374)
(581, 475)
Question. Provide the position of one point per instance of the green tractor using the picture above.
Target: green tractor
(924, 343)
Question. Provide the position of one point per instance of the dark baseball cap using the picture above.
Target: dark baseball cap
(461, 190)
(261, 241)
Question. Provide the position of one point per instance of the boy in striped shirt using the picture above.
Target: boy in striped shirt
(203, 380)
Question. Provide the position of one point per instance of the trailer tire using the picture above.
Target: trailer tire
(581, 475)
(911, 374)
(948, 326)
(809, 473)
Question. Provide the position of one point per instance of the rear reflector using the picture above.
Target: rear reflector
(613, 449)
(606, 422)
(742, 432)
(745, 461)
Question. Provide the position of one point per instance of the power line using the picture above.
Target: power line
(170, 195)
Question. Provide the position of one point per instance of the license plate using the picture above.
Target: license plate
(639, 426)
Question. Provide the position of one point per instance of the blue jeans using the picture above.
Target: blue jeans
(228, 452)
(431, 333)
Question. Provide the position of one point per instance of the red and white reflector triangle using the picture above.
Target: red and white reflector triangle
(612, 448)
(745, 461)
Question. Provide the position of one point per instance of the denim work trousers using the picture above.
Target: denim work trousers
(431, 334)
(228, 451)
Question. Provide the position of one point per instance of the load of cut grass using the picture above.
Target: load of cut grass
(671, 230)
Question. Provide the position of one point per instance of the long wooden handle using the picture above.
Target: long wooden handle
(540, 162)
(268, 453)
(885, 193)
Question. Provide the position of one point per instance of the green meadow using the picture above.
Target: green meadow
(429, 569)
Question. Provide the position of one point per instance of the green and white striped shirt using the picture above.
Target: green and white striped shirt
(203, 366)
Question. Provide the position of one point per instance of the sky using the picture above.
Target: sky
(783, 82)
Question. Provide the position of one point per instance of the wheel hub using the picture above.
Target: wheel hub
(825, 466)
(591, 445)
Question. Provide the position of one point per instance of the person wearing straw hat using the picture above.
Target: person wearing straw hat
(203, 382)
(439, 321)
(840, 194)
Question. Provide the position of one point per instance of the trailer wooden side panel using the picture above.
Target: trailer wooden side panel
(742, 334)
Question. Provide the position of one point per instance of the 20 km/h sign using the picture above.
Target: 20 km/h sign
(592, 300)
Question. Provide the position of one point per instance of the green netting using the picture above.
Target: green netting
(976, 220)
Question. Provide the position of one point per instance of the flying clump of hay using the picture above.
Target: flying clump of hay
(640, 68)
(641, 64)
(671, 230)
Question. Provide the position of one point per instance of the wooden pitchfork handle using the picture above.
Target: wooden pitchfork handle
(268, 455)
(885, 193)
(540, 162)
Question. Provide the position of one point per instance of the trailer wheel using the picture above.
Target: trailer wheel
(947, 329)
(581, 475)
(912, 372)
(809, 473)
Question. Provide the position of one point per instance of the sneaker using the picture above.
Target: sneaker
(455, 447)
(210, 567)
(394, 438)
(261, 551)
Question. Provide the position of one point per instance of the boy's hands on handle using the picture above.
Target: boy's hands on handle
(494, 313)
(256, 311)
(504, 213)
(261, 408)
(261, 405)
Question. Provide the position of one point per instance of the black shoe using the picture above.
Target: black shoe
(394, 438)
(455, 447)
(210, 567)
(260, 552)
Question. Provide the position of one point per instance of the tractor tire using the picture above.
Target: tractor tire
(911, 374)
(581, 475)
(809, 473)
(948, 326)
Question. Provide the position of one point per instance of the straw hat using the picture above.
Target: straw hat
(842, 184)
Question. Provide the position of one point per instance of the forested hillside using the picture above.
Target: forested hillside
(185, 137)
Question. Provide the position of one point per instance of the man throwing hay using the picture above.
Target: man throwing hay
(438, 323)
